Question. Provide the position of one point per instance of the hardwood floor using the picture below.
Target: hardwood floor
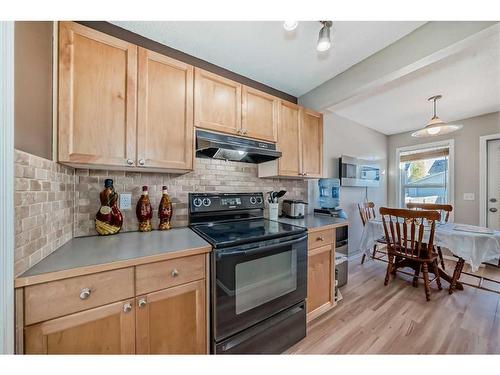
(396, 319)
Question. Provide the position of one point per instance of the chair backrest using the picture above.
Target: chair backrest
(444, 209)
(366, 211)
(404, 231)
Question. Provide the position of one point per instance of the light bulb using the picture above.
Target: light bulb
(323, 45)
(290, 25)
(434, 131)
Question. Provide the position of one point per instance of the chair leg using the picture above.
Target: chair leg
(374, 251)
(436, 271)
(389, 270)
(440, 253)
(415, 277)
(363, 258)
(426, 281)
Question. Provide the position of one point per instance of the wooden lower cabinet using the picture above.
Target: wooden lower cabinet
(173, 320)
(108, 329)
(320, 281)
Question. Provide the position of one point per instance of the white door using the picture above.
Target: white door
(493, 184)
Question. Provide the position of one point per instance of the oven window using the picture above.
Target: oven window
(261, 280)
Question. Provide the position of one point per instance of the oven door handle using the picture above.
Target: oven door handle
(265, 249)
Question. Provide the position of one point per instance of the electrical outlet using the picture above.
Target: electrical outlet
(469, 196)
(125, 201)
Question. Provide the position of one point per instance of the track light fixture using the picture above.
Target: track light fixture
(324, 41)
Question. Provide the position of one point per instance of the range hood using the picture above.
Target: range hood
(227, 147)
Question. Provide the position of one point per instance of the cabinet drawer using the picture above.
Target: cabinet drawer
(320, 238)
(62, 297)
(161, 275)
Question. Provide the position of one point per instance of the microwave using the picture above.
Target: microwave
(359, 172)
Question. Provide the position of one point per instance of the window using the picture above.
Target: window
(424, 173)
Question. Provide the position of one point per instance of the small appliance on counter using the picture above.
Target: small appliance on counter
(329, 198)
(294, 209)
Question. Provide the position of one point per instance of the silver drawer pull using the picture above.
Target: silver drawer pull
(127, 307)
(175, 273)
(320, 238)
(142, 302)
(85, 293)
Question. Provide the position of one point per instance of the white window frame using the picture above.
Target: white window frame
(450, 143)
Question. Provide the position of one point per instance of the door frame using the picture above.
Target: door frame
(7, 187)
(483, 174)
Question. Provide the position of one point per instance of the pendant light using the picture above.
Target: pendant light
(324, 42)
(436, 126)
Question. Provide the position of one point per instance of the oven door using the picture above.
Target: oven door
(255, 281)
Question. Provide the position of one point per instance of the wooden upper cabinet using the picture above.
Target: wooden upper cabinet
(165, 112)
(107, 329)
(97, 97)
(289, 142)
(312, 143)
(217, 103)
(259, 115)
(173, 320)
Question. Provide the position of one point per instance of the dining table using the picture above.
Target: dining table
(469, 244)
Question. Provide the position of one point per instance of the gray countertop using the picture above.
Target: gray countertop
(98, 250)
(313, 221)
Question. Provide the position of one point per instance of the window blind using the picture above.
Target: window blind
(424, 154)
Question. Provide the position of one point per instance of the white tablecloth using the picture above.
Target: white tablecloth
(474, 248)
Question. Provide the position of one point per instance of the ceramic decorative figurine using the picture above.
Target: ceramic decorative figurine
(144, 211)
(165, 210)
(109, 219)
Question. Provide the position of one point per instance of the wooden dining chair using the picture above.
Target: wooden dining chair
(406, 246)
(367, 212)
(443, 209)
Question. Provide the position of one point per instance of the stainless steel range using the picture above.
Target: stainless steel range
(258, 274)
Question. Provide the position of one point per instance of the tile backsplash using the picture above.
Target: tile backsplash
(209, 175)
(54, 203)
(44, 200)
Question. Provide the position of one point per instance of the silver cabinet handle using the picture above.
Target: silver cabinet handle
(127, 307)
(85, 293)
(320, 238)
(493, 209)
(142, 302)
(175, 273)
(130, 162)
(142, 162)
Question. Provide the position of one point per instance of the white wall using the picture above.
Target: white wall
(466, 162)
(345, 137)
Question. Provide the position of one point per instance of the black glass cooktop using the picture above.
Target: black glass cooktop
(231, 233)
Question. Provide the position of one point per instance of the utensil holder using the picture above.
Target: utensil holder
(273, 211)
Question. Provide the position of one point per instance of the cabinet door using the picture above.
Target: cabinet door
(311, 132)
(320, 281)
(217, 103)
(165, 112)
(259, 115)
(172, 321)
(108, 329)
(97, 97)
(289, 140)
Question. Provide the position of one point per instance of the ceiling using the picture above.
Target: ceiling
(469, 82)
(265, 52)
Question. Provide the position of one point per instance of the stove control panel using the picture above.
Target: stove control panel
(208, 202)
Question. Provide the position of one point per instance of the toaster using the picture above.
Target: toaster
(293, 208)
